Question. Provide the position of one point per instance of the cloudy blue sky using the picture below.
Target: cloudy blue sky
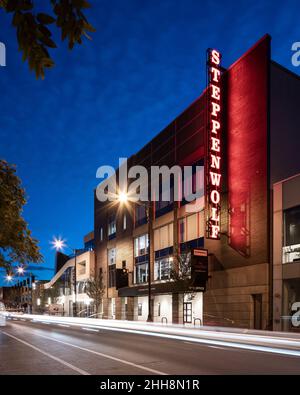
(108, 97)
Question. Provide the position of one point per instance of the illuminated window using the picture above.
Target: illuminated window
(111, 254)
(141, 245)
(162, 268)
(112, 226)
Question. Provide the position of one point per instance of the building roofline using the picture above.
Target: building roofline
(286, 179)
(285, 69)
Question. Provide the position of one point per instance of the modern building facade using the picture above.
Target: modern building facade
(59, 295)
(259, 142)
(286, 254)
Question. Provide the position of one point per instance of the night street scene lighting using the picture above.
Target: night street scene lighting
(149, 193)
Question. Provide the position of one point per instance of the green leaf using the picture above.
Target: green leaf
(43, 29)
(17, 18)
(45, 19)
(89, 27)
(47, 41)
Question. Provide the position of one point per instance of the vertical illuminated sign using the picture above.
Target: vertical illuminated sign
(214, 148)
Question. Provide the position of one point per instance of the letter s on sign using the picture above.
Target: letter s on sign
(296, 316)
(296, 55)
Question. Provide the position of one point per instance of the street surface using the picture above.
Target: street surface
(28, 347)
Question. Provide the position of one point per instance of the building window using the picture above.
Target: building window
(141, 249)
(140, 309)
(111, 254)
(162, 268)
(191, 227)
(111, 276)
(141, 245)
(112, 228)
(163, 237)
(123, 264)
(292, 226)
(141, 273)
(101, 234)
(140, 215)
(291, 249)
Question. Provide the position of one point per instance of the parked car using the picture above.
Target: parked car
(2, 314)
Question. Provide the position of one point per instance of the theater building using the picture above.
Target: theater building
(244, 130)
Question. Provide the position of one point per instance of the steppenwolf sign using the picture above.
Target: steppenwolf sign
(2, 55)
(214, 150)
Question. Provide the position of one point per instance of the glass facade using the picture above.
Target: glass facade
(291, 249)
(162, 268)
(112, 227)
(141, 245)
(141, 250)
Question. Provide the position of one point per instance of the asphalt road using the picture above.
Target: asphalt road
(37, 348)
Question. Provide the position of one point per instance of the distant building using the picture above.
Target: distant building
(60, 290)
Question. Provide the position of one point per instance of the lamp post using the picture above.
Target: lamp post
(123, 198)
(59, 245)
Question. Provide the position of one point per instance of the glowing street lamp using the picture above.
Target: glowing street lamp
(20, 270)
(123, 197)
(58, 243)
(9, 277)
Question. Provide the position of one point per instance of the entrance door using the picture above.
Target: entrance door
(187, 312)
(257, 301)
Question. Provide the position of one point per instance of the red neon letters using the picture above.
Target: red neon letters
(214, 143)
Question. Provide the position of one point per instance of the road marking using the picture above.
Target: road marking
(218, 348)
(22, 319)
(78, 370)
(64, 325)
(90, 329)
(266, 348)
(104, 355)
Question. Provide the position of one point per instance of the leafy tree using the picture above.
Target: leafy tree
(35, 38)
(16, 242)
(95, 289)
(180, 273)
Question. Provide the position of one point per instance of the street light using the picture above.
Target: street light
(9, 277)
(60, 244)
(123, 199)
(20, 270)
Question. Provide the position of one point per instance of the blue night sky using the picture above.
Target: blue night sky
(108, 97)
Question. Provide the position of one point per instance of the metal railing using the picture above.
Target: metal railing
(164, 319)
